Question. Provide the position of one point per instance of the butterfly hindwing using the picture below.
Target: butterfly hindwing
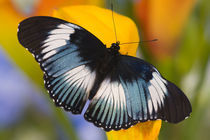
(71, 89)
(136, 92)
(108, 107)
(67, 54)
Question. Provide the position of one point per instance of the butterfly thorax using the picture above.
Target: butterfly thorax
(114, 49)
(106, 65)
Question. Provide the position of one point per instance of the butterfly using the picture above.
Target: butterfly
(123, 90)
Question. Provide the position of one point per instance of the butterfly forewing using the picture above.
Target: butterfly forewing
(67, 54)
(122, 90)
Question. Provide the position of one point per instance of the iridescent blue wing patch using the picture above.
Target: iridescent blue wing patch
(134, 91)
(67, 54)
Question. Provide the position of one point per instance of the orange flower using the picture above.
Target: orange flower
(99, 22)
(164, 20)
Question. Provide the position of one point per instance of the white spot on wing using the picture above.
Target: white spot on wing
(53, 45)
(73, 25)
(102, 89)
(122, 96)
(68, 25)
(49, 54)
(62, 31)
(157, 73)
(154, 96)
(75, 70)
(87, 77)
(159, 81)
(158, 89)
(56, 37)
(150, 106)
(116, 99)
(115, 92)
(63, 26)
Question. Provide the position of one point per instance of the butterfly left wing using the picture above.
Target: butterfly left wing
(67, 54)
(135, 91)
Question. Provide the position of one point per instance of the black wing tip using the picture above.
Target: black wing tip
(32, 31)
(38, 19)
(181, 107)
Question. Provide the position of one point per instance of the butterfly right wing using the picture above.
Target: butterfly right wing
(134, 91)
(67, 54)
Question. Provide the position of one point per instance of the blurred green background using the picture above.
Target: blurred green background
(181, 54)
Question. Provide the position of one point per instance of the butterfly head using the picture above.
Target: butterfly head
(115, 47)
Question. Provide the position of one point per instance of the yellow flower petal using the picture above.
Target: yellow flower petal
(142, 131)
(99, 22)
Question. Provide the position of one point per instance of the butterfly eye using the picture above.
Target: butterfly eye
(118, 43)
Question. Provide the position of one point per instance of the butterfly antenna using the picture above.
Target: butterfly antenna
(149, 40)
(113, 22)
(140, 41)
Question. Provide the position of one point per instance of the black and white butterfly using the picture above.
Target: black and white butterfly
(78, 67)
